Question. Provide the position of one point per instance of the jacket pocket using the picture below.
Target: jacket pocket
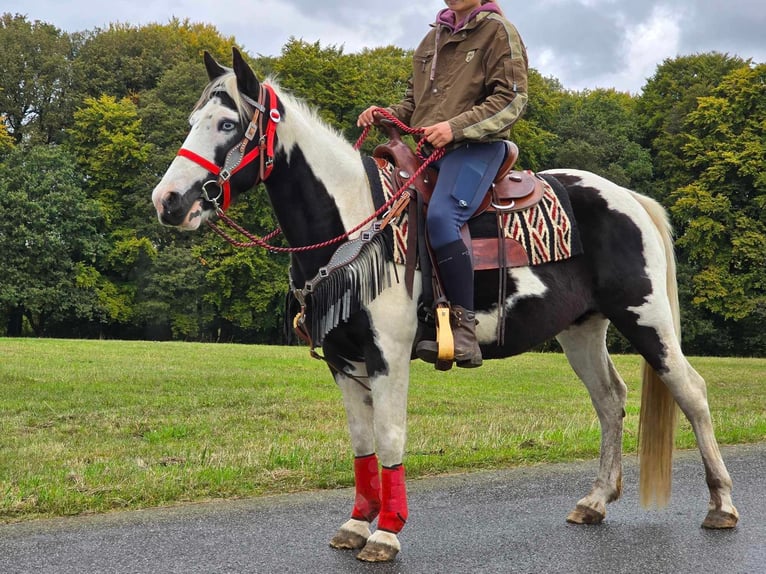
(423, 61)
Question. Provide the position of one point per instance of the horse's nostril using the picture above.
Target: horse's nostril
(171, 201)
(172, 208)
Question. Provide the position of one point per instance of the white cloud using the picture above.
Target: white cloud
(647, 44)
(583, 43)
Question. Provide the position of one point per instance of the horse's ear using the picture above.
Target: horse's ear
(246, 81)
(214, 69)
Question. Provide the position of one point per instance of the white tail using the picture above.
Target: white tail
(659, 413)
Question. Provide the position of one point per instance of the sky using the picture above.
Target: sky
(585, 44)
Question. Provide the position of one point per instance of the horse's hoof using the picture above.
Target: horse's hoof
(352, 535)
(719, 519)
(381, 547)
(585, 515)
(345, 540)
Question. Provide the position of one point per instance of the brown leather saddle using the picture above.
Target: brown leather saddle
(510, 191)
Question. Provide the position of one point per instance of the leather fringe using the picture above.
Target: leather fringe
(350, 282)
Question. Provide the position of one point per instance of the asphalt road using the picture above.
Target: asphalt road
(507, 521)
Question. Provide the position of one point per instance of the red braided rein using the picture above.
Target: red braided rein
(255, 241)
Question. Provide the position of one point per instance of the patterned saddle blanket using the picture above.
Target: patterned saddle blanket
(543, 233)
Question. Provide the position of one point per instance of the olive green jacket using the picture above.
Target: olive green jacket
(478, 81)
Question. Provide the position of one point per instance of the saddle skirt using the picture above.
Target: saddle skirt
(537, 227)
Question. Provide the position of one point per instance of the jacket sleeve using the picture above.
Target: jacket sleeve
(506, 85)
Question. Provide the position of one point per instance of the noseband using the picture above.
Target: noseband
(237, 159)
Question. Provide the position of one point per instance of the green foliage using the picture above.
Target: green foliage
(597, 131)
(725, 232)
(49, 230)
(534, 132)
(169, 301)
(341, 85)
(35, 77)
(667, 98)
(6, 141)
(109, 147)
(126, 60)
(245, 287)
(115, 101)
(698, 159)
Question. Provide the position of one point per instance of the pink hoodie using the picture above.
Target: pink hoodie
(447, 17)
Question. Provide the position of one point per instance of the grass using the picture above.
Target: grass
(92, 426)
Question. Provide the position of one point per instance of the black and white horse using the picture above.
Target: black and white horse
(319, 189)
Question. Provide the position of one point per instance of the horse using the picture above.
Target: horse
(245, 131)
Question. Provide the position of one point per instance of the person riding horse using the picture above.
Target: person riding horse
(468, 87)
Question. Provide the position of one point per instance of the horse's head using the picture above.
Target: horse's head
(229, 148)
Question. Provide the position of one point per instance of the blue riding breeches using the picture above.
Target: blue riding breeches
(465, 175)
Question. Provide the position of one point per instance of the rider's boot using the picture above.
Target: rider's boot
(467, 351)
(456, 273)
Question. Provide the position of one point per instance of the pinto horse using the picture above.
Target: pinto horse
(244, 132)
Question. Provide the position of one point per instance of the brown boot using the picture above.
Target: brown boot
(467, 351)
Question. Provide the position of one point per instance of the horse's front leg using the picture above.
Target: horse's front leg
(392, 326)
(353, 534)
(376, 418)
(380, 340)
(390, 415)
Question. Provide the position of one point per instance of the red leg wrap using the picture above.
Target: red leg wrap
(367, 481)
(393, 514)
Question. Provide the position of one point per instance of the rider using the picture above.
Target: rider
(468, 86)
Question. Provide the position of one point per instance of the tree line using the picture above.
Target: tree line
(89, 122)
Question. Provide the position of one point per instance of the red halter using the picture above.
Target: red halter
(237, 159)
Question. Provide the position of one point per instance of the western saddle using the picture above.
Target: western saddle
(510, 191)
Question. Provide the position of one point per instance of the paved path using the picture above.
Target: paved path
(507, 521)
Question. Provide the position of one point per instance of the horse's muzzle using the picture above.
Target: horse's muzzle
(175, 210)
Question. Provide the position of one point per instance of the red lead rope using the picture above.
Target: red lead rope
(255, 241)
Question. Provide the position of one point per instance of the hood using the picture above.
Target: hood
(447, 17)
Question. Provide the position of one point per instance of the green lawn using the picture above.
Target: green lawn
(90, 426)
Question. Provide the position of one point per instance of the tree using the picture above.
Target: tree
(125, 60)
(724, 231)
(341, 85)
(51, 243)
(108, 144)
(169, 297)
(667, 98)
(6, 141)
(246, 287)
(597, 132)
(35, 79)
(533, 133)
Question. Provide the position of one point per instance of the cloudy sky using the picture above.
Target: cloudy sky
(583, 43)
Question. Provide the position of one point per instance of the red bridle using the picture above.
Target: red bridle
(237, 159)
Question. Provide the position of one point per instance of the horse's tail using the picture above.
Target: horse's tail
(659, 414)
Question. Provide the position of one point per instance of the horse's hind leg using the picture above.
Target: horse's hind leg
(690, 392)
(653, 334)
(585, 348)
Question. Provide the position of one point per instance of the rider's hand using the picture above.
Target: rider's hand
(438, 135)
(368, 117)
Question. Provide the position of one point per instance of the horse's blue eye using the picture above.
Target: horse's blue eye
(227, 126)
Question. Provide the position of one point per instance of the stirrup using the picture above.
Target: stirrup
(439, 352)
(445, 341)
